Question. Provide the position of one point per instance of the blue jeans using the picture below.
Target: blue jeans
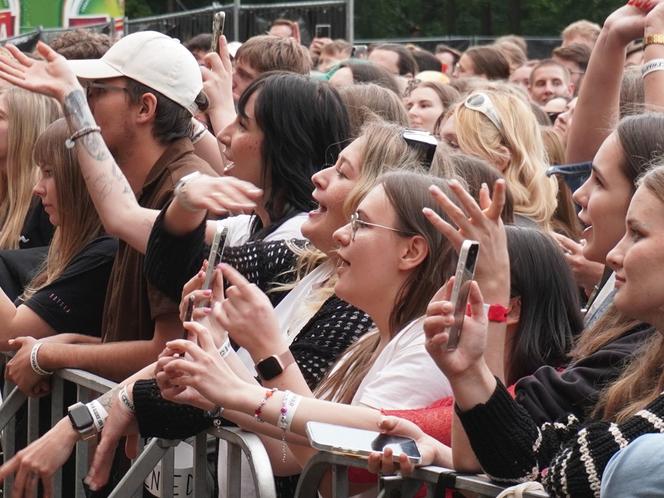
(637, 470)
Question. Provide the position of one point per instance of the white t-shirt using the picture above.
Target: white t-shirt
(404, 375)
(239, 228)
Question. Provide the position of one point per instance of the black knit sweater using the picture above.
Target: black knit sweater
(567, 456)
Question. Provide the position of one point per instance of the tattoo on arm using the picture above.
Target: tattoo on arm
(107, 398)
(79, 116)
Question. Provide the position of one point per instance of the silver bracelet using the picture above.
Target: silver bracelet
(123, 396)
(651, 67)
(34, 363)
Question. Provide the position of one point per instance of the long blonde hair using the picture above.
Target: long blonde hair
(28, 115)
(643, 380)
(79, 223)
(407, 192)
(534, 194)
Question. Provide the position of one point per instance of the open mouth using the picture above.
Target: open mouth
(321, 209)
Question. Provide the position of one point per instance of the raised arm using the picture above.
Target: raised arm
(110, 191)
(598, 108)
(653, 82)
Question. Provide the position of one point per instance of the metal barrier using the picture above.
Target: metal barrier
(88, 386)
(434, 479)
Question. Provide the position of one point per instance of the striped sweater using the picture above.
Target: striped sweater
(566, 456)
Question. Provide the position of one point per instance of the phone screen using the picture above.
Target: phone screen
(462, 280)
(358, 442)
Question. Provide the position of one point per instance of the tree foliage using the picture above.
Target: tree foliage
(399, 18)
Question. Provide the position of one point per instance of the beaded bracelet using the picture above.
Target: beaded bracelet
(34, 363)
(71, 141)
(259, 408)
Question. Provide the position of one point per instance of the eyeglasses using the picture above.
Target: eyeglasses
(356, 223)
(95, 89)
(412, 85)
(481, 102)
(423, 142)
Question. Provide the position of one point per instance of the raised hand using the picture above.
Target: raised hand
(483, 224)
(219, 195)
(51, 77)
(627, 23)
(218, 77)
(586, 273)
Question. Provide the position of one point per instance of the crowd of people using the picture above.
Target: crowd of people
(343, 185)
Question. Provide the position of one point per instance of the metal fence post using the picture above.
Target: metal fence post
(350, 21)
(236, 20)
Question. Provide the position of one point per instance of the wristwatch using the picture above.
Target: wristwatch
(268, 368)
(81, 420)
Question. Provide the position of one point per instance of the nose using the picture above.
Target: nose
(38, 189)
(580, 195)
(343, 235)
(224, 136)
(320, 179)
(616, 255)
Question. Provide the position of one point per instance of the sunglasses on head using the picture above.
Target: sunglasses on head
(481, 102)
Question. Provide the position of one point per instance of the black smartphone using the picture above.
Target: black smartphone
(323, 31)
(218, 21)
(189, 312)
(463, 277)
(359, 442)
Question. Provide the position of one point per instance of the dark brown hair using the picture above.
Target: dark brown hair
(490, 62)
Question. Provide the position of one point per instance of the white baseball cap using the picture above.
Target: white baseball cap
(153, 59)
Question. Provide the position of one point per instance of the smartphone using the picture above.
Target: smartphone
(359, 442)
(359, 52)
(323, 31)
(218, 21)
(465, 272)
(189, 312)
(215, 254)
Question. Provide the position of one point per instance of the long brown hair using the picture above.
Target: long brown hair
(79, 223)
(643, 380)
(408, 193)
(28, 115)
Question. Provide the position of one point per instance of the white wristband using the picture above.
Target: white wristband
(123, 396)
(34, 363)
(225, 348)
(652, 66)
(99, 414)
(289, 405)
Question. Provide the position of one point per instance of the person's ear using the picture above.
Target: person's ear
(413, 253)
(570, 88)
(503, 158)
(147, 108)
(514, 313)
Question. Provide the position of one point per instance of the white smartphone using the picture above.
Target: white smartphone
(218, 21)
(215, 255)
(465, 272)
(358, 442)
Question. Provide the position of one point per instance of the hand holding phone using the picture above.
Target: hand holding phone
(358, 442)
(218, 21)
(323, 31)
(462, 279)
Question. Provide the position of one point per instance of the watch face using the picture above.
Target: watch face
(80, 417)
(269, 368)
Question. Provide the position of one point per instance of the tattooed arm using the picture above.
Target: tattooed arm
(110, 191)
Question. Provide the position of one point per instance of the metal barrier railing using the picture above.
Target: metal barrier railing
(87, 385)
(239, 444)
(434, 479)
